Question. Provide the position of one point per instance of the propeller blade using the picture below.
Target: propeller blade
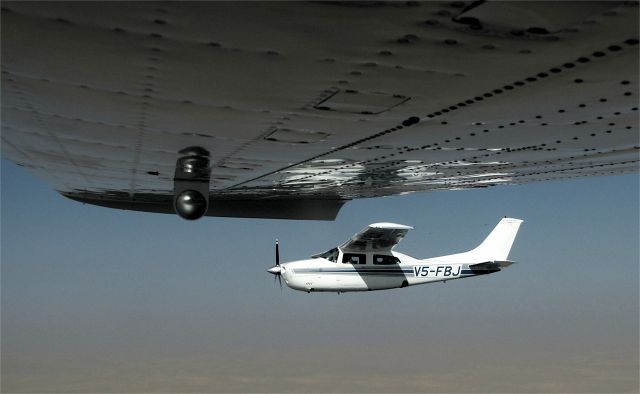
(277, 270)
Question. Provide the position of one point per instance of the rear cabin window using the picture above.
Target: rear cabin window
(331, 255)
(354, 258)
(381, 259)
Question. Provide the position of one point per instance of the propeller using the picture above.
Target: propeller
(276, 270)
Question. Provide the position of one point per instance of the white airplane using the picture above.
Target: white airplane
(367, 262)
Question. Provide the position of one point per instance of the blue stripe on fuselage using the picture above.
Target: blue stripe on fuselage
(360, 271)
(404, 271)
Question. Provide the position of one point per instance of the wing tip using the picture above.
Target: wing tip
(512, 220)
(387, 225)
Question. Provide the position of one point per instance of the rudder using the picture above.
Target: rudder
(498, 243)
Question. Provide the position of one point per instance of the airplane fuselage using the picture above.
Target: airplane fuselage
(321, 274)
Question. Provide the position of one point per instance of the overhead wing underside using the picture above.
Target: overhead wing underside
(303, 106)
(376, 237)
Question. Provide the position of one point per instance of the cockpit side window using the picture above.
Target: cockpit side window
(382, 259)
(331, 255)
(354, 258)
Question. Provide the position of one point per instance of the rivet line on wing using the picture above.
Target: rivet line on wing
(414, 120)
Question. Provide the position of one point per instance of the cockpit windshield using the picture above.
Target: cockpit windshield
(331, 255)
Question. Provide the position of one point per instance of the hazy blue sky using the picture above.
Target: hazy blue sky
(101, 300)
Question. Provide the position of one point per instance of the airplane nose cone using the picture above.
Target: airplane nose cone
(276, 270)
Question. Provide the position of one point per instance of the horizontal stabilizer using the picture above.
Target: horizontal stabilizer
(491, 265)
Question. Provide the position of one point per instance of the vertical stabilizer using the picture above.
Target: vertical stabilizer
(497, 245)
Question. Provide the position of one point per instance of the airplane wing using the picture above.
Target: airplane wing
(377, 237)
(291, 109)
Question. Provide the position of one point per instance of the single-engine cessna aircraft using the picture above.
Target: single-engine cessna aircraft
(367, 262)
